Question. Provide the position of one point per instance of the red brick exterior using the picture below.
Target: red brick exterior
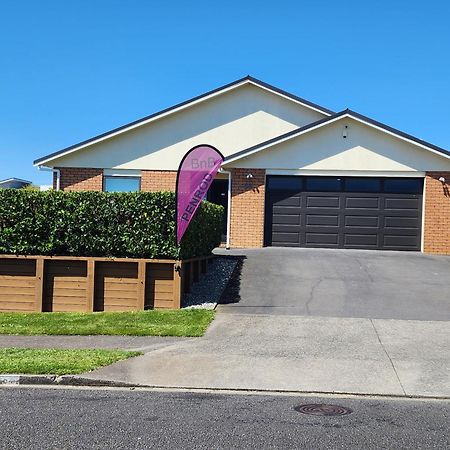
(437, 213)
(248, 195)
(80, 179)
(247, 207)
(158, 180)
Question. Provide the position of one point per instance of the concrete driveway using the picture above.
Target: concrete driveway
(342, 283)
(295, 353)
(316, 320)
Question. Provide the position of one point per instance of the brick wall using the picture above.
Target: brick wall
(247, 207)
(80, 179)
(158, 180)
(437, 213)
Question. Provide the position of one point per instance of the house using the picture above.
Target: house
(295, 173)
(14, 183)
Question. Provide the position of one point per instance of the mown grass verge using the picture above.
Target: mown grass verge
(57, 361)
(191, 323)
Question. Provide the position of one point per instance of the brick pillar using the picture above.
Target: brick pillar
(437, 213)
(247, 207)
(158, 180)
(81, 179)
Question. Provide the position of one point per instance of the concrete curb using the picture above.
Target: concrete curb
(14, 380)
(78, 381)
(54, 380)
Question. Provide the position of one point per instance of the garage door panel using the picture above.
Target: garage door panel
(286, 210)
(395, 241)
(362, 221)
(287, 201)
(401, 203)
(285, 237)
(286, 219)
(313, 201)
(319, 219)
(323, 239)
(388, 219)
(360, 231)
(401, 222)
(277, 228)
(400, 231)
(361, 240)
(362, 203)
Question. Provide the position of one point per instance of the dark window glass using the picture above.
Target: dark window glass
(285, 183)
(323, 184)
(121, 184)
(403, 185)
(363, 185)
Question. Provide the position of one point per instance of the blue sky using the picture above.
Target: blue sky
(73, 69)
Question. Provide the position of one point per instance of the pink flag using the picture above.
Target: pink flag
(195, 175)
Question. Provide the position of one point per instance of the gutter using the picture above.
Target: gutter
(55, 171)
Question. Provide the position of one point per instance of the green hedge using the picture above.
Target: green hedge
(135, 225)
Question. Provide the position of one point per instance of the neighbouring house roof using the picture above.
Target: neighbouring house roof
(235, 84)
(19, 180)
(328, 120)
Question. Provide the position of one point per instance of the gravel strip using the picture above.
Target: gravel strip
(207, 292)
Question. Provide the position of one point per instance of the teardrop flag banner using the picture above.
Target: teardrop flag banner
(195, 174)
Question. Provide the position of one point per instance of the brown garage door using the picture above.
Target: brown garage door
(345, 212)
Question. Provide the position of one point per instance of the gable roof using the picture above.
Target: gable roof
(221, 90)
(15, 179)
(328, 120)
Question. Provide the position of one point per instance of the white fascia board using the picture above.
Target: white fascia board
(347, 173)
(344, 116)
(178, 109)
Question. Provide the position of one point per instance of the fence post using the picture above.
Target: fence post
(178, 270)
(90, 284)
(141, 285)
(39, 291)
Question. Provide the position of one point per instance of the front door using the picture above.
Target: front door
(218, 194)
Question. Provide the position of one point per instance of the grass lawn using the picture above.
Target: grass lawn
(192, 322)
(57, 362)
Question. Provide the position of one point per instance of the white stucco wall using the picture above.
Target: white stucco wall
(364, 149)
(233, 121)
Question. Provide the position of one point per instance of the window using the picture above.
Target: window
(121, 184)
(323, 184)
(363, 185)
(403, 185)
(284, 183)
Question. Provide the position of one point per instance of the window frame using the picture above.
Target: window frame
(325, 178)
(135, 177)
(378, 180)
(272, 178)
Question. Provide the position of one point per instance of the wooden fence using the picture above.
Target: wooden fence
(84, 284)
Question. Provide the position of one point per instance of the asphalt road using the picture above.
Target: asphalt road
(126, 419)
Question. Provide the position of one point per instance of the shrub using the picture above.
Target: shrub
(135, 225)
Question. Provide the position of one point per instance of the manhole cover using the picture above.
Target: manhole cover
(316, 409)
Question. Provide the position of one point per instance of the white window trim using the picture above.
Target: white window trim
(121, 173)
